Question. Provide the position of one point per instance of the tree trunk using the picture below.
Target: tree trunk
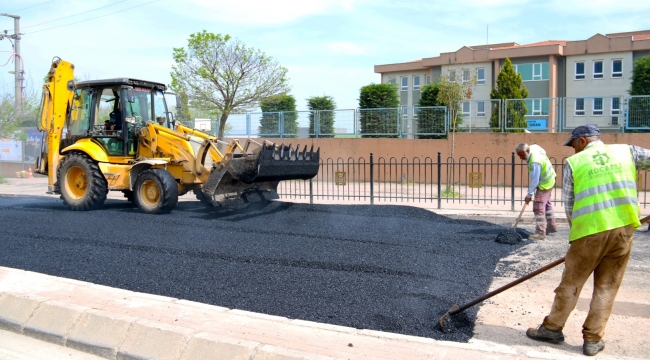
(222, 124)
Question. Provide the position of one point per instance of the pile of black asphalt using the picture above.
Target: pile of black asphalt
(383, 267)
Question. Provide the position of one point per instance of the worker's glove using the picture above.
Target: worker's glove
(527, 199)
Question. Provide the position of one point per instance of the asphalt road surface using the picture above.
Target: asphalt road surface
(387, 268)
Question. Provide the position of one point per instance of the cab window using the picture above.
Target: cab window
(79, 120)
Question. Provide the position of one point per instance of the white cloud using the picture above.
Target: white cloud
(265, 12)
(346, 48)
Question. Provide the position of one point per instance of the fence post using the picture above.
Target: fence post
(248, 125)
(372, 179)
(439, 180)
(311, 191)
(316, 123)
(281, 124)
(512, 185)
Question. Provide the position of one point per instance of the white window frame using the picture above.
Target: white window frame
(595, 111)
(617, 74)
(480, 80)
(480, 112)
(601, 74)
(537, 107)
(469, 108)
(577, 76)
(401, 82)
(416, 86)
(405, 112)
(452, 75)
(579, 111)
(616, 108)
(427, 79)
(537, 76)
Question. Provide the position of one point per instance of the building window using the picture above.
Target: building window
(616, 106)
(452, 75)
(405, 83)
(580, 70)
(580, 107)
(464, 75)
(392, 80)
(405, 113)
(480, 109)
(537, 106)
(427, 79)
(416, 82)
(537, 71)
(598, 69)
(466, 108)
(480, 76)
(598, 106)
(617, 68)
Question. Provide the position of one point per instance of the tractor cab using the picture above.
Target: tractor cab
(113, 111)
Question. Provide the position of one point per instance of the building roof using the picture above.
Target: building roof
(539, 43)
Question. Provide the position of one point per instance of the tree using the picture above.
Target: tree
(430, 120)
(509, 86)
(639, 106)
(382, 118)
(183, 115)
(218, 72)
(453, 91)
(274, 109)
(325, 118)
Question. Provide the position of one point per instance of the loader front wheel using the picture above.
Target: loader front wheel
(82, 184)
(156, 191)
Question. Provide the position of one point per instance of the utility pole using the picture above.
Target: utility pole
(18, 73)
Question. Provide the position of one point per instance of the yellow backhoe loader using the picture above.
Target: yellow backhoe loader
(118, 134)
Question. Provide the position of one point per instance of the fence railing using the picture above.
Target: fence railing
(560, 114)
(444, 183)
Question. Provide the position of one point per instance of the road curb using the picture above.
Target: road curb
(120, 324)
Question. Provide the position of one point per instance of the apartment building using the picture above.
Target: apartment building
(570, 83)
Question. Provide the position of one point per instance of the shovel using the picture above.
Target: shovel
(457, 309)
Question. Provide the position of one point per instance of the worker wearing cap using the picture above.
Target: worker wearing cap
(600, 200)
(542, 181)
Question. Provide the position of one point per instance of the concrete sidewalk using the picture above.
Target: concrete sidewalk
(119, 324)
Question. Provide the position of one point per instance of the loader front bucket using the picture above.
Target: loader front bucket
(254, 177)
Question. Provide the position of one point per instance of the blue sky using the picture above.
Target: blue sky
(329, 46)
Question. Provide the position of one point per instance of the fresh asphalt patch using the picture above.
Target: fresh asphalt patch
(383, 267)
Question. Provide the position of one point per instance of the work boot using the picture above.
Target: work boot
(537, 237)
(542, 333)
(591, 348)
(550, 230)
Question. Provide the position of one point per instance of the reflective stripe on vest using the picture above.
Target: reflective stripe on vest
(547, 175)
(605, 190)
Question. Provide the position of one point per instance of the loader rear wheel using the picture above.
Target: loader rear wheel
(82, 184)
(156, 191)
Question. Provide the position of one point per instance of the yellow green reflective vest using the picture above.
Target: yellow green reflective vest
(547, 176)
(604, 189)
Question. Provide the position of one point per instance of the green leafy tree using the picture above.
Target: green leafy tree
(430, 120)
(275, 108)
(455, 88)
(220, 73)
(325, 118)
(509, 86)
(383, 120)
(184, 114)
(13, 120)
(639, 106)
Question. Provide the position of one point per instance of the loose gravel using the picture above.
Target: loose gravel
(387, 268)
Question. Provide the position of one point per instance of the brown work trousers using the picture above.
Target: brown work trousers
(604, 254)
(543, 210)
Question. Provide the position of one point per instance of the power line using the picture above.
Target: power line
(65, 17)
(97, 17)
(29, 7)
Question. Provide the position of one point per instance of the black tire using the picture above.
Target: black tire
(128, 194)
(81, 182)
(156, 191)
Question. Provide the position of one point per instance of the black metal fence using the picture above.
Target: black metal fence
(493, 183)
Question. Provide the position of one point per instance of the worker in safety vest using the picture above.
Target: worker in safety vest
(542, 181)
(600, 200)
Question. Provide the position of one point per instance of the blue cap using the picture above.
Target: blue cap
(583, 131)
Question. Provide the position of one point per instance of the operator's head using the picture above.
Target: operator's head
(161, 120)
(583, 135)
